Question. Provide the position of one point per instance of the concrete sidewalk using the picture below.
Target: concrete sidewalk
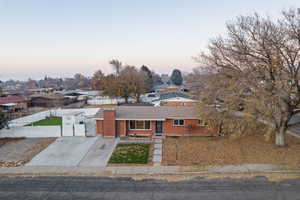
(78, 170)
(138, 170)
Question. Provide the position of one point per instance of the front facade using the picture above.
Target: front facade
(179, 101)
(49, 100)
(150, 121)
(14, 106)
(175, 99)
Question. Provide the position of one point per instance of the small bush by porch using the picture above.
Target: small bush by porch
(130, 154)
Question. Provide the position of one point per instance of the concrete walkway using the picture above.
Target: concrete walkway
(157, 154)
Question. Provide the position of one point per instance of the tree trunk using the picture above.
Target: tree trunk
(279, 137)
(138, 99)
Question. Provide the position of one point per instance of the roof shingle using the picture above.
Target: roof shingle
(11, 99)
(152, 113)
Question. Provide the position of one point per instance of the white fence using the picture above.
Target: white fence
(31, 131)
(88, 112)
(103, 100)
(73, 130)
(29, 119)
(90, 125)
(79, 130)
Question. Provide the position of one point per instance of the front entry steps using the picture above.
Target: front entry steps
(158, 137)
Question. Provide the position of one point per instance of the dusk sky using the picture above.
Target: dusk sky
(62, 37)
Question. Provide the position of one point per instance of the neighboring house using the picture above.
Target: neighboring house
(79, 95)
(174, 99)
(89, 93)
(15, 106)
(40, 90)
(79, 104)
(157, 88)
(49, 100)
(168, 89)
(150, 121)
(148, 97)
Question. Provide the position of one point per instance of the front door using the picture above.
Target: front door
(159, 127)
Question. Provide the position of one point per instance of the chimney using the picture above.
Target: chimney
(109, 123)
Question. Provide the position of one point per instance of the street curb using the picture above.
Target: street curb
(16, 171)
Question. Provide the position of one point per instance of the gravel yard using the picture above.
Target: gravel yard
(204, 151)
(15, 152)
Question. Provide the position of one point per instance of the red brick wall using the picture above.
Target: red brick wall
(99, 127)
(121, 128)
(109, 123)
(170, 130)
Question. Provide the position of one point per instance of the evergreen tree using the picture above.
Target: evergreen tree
(176, 77)
(3, 120)
(147, 75)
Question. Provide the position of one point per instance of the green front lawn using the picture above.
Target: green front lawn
(130, 154)
(51, 121)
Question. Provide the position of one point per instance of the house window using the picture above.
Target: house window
(139, 125)
(202, 123)
(178, 122)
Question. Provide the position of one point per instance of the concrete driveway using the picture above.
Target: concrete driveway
(76, 151)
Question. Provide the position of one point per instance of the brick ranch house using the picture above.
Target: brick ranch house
(49, 100)
(150, 121)
(14, 106)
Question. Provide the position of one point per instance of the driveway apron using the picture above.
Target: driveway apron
(99, 153)
(65, 151)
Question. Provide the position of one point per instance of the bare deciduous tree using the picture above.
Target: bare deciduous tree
(129, 82)
(257, 66)
(132, 82)
(97, 79)
(197, 80)
(117, 65)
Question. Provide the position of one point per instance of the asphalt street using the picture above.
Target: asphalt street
(46, 188)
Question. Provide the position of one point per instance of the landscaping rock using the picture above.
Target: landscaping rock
(12, 163)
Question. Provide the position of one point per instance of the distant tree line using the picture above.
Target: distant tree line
(78, 81)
